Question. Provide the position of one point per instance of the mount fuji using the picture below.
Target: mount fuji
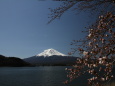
(50, 52)
(51, 57)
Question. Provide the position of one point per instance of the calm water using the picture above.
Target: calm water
(38, 76)
(32, 76)
(35, 76)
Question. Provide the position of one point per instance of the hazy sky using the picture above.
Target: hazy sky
(24, 31)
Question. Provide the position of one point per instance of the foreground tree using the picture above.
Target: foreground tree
(97, 51)
(98, 48)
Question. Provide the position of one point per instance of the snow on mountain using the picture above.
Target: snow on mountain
(50, 52)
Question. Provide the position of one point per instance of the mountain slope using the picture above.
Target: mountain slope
(51, 60)
(12, 62)
(51, 57)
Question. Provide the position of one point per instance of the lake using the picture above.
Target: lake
(36, 76)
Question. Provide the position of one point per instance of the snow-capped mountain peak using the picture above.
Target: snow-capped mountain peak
(50, 52)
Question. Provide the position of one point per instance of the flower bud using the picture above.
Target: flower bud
(103, 79)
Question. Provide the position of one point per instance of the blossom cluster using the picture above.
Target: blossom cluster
(97, 51)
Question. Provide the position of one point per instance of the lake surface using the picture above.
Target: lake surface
(34, 76)
(37, 76)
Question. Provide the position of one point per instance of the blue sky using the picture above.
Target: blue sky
(24, 31)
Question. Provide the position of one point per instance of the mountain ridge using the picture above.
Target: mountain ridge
(13, 62)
